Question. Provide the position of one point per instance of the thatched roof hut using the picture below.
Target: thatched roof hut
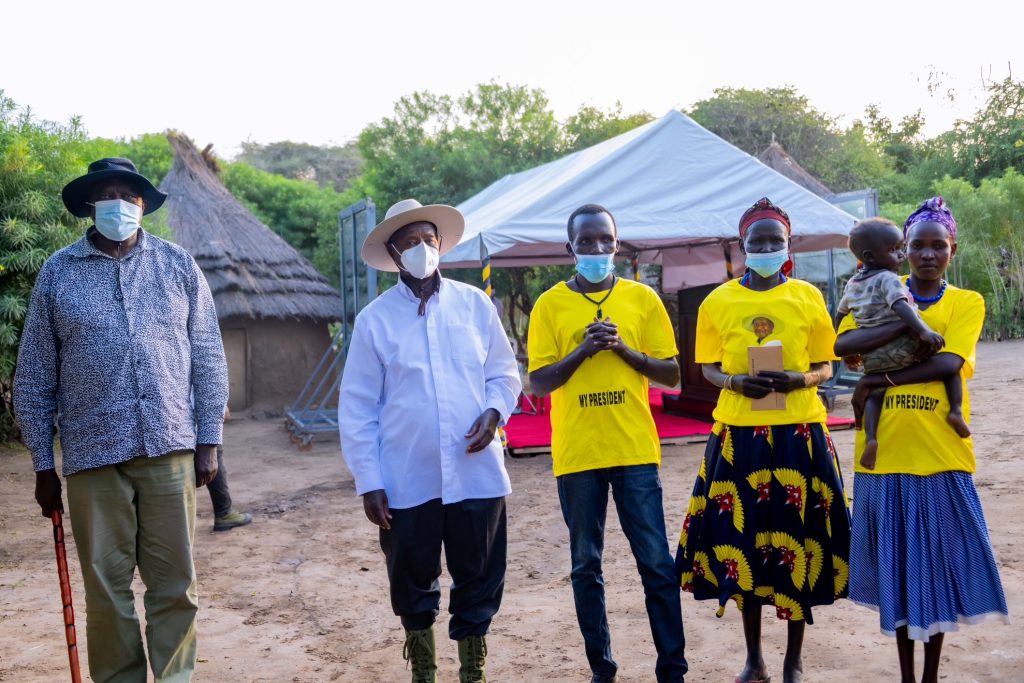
(776, 158)
(252, 272)
(272, 304)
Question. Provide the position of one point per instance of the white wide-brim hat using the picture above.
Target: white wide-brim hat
(449, 221)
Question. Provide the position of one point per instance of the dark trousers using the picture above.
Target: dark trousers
(473, 533)
(220, 496)
(637, 493)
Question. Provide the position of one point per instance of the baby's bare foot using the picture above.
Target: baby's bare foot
(959, 424)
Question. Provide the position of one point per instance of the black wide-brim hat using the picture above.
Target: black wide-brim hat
(76, 193)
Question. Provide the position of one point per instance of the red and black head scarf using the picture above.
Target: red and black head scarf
(761, 210)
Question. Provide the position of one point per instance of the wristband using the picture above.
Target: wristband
(889, 380)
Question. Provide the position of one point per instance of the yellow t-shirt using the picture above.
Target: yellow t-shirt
(913, 435)
(601, 417)
(733, 318)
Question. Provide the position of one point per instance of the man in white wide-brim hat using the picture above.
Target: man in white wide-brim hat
(428, 379)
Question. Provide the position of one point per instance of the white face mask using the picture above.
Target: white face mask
(420, 261)
(116, 219)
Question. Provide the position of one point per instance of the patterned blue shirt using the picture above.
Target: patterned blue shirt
(113, 348)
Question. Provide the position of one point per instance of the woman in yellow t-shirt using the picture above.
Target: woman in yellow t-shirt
(767, 522)
(920, 552)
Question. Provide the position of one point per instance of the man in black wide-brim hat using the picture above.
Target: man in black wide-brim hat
(120, 329)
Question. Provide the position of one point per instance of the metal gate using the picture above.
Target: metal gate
(315, 411)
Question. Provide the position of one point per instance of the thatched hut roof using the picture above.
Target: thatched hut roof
(252, 272)
(776, 158)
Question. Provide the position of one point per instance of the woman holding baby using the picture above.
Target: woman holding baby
(920, 552)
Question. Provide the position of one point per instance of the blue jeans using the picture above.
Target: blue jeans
(637, 493)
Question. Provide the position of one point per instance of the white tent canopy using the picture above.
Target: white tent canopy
(676, 191)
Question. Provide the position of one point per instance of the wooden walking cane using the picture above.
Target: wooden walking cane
(65, 595)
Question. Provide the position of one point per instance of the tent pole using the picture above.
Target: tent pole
(371, 273)
(727, 253)
(831, 281)
(485, 264)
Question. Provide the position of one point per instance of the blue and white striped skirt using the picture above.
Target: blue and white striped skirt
(920, 553)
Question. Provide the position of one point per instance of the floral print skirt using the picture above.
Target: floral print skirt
(768, 521)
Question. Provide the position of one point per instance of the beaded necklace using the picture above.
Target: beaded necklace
(927, 299)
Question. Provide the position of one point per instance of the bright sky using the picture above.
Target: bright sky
(318, 72)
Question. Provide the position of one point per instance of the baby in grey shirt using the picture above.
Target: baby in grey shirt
(875, 296)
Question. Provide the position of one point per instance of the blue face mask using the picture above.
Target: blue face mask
(768, 264)
(116, 219)
(595, 267)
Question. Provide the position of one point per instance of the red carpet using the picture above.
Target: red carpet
(534, 431)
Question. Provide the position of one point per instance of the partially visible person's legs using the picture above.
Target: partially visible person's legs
(638, 500)
(584, 500)
(166, 503)
(932, 658)
(754, 669)
(905, 647)
(412, 551)
(793, 665)
(220, 496)
(100, 503)
(475, 549)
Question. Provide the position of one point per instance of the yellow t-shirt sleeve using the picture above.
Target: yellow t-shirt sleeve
(708, 346)
(964, 328)
(542, 347)
(821, 338)
(659, 337)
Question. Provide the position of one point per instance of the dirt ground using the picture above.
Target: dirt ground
(301, 594)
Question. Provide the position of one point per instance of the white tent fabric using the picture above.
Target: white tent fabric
(676, 191)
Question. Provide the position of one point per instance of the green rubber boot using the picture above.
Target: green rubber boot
(472, 655)
(421, 653)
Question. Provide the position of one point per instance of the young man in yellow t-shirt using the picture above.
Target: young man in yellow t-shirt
(594, 341)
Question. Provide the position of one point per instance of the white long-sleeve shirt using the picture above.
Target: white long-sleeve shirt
(413, 386)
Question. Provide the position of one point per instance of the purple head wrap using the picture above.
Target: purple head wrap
(932, 211)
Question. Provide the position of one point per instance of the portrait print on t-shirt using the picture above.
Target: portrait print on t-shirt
(764, 327)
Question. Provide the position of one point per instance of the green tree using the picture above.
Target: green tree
(990, 256)
(442, 149)
(37, 158)
(857, 162)
(752, 119)
(300, 211)
(590, 125)
(150, 152)
(327, 165)
(980, 147)
(993, 140)
(903, 143)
